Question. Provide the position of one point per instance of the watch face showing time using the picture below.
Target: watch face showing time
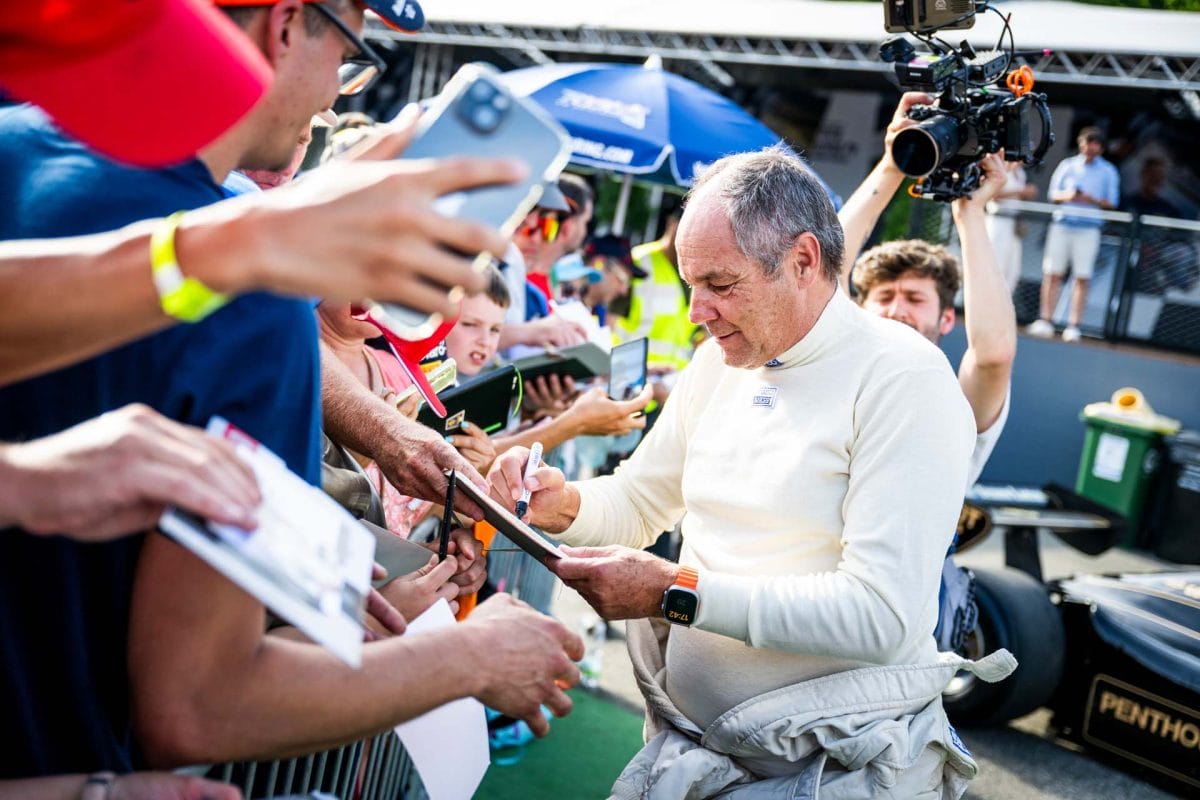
(680, 605)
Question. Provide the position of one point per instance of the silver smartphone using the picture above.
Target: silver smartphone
(476, 115)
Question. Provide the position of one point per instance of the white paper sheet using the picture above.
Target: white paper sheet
(308, 560)
(449, 744)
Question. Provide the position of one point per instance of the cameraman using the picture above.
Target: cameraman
(915, 283)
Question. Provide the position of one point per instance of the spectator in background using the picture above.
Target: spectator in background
(529, 327)
(1083, 181)
(582, 201)
(472, 343)
(572, 280)
(612, 257)
(1167, 258)
(552, 234)
(658, 304)
(475, 338)
(564, 415)
(1003, 225)
(1148, 199)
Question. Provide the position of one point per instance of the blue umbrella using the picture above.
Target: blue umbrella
(641, 120)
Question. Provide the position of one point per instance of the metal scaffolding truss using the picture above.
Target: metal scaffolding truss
(533, 44)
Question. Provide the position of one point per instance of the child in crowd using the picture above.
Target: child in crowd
(473, 344)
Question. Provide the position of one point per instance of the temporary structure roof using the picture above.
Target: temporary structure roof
(1095, 45)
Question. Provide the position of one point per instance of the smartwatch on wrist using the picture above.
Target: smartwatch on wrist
(681, 602)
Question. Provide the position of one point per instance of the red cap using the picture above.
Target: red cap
(147, 82)
(411, 352)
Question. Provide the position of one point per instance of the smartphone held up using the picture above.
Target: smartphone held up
(476, 115)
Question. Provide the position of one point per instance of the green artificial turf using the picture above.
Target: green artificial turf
(580, 759)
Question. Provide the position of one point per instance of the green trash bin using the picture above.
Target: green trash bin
(1122, 453)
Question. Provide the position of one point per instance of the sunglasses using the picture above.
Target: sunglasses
(358, 71)
(545, 224)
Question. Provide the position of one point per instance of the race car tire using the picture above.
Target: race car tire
(1015, 613)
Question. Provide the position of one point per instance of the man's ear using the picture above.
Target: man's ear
(946, 323)
(804, 259)
(283, 27)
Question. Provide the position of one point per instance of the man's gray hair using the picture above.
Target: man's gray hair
(771, 198)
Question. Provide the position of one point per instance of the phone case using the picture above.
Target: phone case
(627, 376)
(476, 115)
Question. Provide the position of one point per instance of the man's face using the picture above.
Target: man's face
(274, 178)
(530, 239)
(472, 343)
(913, 300)
(752, 317)
(305, 83)
(1090, 148)
(614, 284)
(575, 229)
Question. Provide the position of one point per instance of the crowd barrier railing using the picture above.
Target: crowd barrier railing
(1145, 287)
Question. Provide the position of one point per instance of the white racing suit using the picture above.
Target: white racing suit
(848, 736)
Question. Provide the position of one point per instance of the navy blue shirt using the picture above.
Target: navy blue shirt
(64, 607)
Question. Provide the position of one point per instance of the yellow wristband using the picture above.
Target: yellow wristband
(183, 298)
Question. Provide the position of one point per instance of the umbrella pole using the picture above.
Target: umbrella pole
(618, 224)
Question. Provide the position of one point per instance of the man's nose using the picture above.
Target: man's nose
(700, 311)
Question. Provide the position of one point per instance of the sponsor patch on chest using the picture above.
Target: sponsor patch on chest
(765, 397)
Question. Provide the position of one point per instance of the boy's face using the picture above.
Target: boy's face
(472, 343)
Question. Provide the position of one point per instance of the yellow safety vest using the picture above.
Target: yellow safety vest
(658, 310)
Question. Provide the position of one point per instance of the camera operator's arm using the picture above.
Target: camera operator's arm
(860, 213)
(991, 322)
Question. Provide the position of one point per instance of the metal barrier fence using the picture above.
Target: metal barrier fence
(1145, 287)
(373, 769)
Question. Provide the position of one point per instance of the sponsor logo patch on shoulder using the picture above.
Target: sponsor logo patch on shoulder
(765, 398)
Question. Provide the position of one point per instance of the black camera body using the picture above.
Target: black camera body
(974, 115)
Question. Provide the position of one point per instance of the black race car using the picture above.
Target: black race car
(1115, 657)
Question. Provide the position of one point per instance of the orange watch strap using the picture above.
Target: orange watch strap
(688, 577)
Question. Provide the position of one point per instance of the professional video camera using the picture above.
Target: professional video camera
(973, 115)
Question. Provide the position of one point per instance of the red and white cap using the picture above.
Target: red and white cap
(412, 352)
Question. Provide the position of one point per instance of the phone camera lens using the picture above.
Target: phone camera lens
(485, 118)
(481, 92)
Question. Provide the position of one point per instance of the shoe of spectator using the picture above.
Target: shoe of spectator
(1042, 328)
(1071, 334)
